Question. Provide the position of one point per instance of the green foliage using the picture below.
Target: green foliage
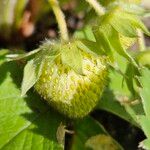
(26, 123)
(83, 134)
(143, 119)
(29, 123)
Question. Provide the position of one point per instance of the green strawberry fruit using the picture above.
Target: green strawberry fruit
(71, 93)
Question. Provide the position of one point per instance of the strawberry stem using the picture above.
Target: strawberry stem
(97, 6)
(60, 19)
(141, 41)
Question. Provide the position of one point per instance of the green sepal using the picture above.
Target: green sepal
(33, 68)
(71, 56)
(32, 72)
(90, 47)
(12, 57)
(102, 39)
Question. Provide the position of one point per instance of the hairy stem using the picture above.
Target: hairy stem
(60, 19)
(98, 8)
(141, 41)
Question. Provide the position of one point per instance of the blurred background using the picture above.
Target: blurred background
(25, 23)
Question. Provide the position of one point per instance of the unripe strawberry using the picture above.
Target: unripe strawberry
(73, 94)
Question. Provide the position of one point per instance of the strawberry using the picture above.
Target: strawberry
(71, 93)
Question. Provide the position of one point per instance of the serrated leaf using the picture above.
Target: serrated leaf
(32, 72)
(85, 129)
(144, 120)
(71, 56)
(26, 123)
(144, 93)
(117, 94)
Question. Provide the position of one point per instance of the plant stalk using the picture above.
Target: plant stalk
(141, 41)
(97, 7)
(60, 19)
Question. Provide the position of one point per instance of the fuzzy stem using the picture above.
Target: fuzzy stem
(60, 19)
(98, 8)
(141, 41)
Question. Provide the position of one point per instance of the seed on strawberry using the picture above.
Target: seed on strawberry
(73, 94)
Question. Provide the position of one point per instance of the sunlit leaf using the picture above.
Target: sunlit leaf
(26, 123)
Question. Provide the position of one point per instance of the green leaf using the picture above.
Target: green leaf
(145, 94)
(85, 33)
(136, 22)
(145, 124)
(104, 34)
(144, 120)
(26, 123)
(124, 27)
(110, 103)
(3, 53)
(117, 94)
(89, 46)
(102, 40)
(118, 47)
(71, 56)
(145, 144)
(130, 78)
(143, 57)
(32, 72)
(133, 8)
(87, 129)
(132, 112)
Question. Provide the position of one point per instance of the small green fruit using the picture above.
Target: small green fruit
(73, 94)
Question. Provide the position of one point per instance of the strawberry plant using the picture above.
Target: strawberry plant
(82, 87)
